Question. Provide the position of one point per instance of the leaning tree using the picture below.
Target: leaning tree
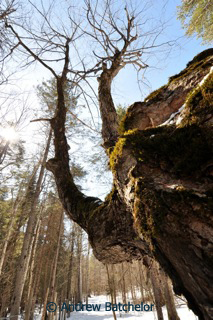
(160, 204)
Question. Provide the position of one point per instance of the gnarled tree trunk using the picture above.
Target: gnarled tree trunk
(161, 201)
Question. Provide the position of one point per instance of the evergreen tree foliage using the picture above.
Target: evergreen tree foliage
(47, 94)
(196, 16)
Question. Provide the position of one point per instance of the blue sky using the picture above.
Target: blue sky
(162, 65)
(125, 87)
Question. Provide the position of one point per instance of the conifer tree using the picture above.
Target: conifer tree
(196, 17)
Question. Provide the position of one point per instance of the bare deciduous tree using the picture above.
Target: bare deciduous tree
(159, 205)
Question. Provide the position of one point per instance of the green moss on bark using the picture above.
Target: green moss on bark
(155, 95)
(199, 103)
(201, 56)
(145, 205)
(198, 64)
(117, 151)
(122, 124)
(185, 149)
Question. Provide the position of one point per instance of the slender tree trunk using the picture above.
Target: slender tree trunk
(9, 231)
(141, 281)
(79, 267)
(111, 291)
(36, 285)
(54, 314)
(169, 297)
(52, 291)
(131, 285)
(124, 293)
(3, 151)
(156, 289)
(70, 270)
(27, 243)
(23, 265)
(88, 274)
(114, 284)
(32, 273)
(44, 312)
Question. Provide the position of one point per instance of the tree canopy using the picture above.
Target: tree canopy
(196, 16)
(160, 206)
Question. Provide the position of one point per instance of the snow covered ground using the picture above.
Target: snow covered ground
(183, 312)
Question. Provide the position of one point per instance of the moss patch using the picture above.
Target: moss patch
(117, 151)
(155, 95)
(199, 62)
(201, 56)
(199, 103)
(123, 123)
(148, 213)
(185, 150)
(197, 65)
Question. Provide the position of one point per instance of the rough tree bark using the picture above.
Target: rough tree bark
(161, 201)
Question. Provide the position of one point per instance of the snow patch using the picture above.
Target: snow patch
(183, 312)
(176, 117)
(172, 117)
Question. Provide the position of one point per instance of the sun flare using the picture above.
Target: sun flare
(9, 134)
